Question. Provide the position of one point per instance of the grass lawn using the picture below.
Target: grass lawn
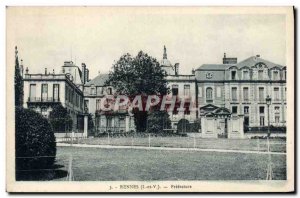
(97, 164)
(277, 145)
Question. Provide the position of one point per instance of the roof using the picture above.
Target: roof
(253, 60)
(98, 80)
(213, 67)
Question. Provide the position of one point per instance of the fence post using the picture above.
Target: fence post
(108, 138)
(70, 176)
(194, 141)
(149, 141)
(258, 148)
(268, 143)
(132, 141)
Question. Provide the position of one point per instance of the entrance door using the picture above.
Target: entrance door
(222, 128)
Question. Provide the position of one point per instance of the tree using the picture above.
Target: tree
(157, 121)
(35, 140)
(60, 119)
(18, 81)
(140, 75)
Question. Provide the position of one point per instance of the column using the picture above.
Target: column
(85, 127)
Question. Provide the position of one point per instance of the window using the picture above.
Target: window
(260, 74)
(261, 94)
(218, 91)
(109, 121)
(276, 93)
(246, 93)
(32, 92)
(93, 91)
(246, 75)
(209, 92)
(186, 90)
(44, 92)
(56, 92)
(246, 110)
(187, 109)
(233, 75)
(234, 109)
(275, 75)
(98, 104)
(246, 121)
(122, 122)
(262, 120)
(234, 93)
(261, 110)
(174, 90)
(86, 104)
(109, 91)
(277, 114)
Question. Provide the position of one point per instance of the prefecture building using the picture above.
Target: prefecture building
(229, 98)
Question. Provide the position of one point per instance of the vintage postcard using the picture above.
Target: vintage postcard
(150, 99)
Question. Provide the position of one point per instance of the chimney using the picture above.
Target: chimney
(257, 55)
(193, 71)
(45, 71)
(176, 66)
(27, 70)
(83, 66)
(87, 75)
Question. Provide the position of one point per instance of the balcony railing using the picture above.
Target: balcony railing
(42, 99)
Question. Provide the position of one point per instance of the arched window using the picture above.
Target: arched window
(209, 91)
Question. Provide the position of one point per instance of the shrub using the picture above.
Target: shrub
(157, 121)
(34, 138)
(60, 119)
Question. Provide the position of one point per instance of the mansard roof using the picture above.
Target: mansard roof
(249, 62)
(98, 80)
(214, 66)
(253, 60)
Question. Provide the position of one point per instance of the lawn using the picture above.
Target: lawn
(99, 164)
(276, 145)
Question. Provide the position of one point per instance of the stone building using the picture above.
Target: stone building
(43, 91)
(225, 99)
(242, 88)
(95, 93)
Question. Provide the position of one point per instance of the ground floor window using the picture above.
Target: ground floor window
(262, 121)
(246, 121)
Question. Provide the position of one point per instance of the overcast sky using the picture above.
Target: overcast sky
(47, 37)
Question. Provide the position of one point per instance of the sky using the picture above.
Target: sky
(46, 37)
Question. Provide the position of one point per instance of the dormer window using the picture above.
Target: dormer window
(275, 75)
(233, 75)
(93, 91)
(246, 74)
(260, 74)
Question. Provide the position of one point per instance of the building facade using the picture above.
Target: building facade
(225, 99)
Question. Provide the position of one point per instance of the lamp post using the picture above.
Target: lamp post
(268, 101)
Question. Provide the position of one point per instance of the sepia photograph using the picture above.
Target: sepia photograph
(150, 99)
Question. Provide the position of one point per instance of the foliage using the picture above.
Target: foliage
(183, 126)
(157, 121)
(60, 119)
(34, 137)
(140, 75)
(18, 83)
